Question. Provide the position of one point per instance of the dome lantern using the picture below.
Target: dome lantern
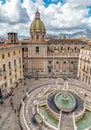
(37, 15)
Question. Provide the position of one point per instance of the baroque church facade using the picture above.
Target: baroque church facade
(48, 56)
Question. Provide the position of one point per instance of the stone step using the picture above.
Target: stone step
(66, 122)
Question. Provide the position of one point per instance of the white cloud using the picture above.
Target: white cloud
(57, 17)
(13, 12)
(80, 2)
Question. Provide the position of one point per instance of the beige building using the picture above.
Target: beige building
(10, 65)
(84, 67)
(50, 57)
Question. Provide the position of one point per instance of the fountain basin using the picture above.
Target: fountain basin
(65, 101)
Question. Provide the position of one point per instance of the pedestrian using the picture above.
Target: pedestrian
(14, 110)
(11, 102)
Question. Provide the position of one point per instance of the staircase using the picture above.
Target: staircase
(66, 122)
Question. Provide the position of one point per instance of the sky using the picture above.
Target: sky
(59, 16)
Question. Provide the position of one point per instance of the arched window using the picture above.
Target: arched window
(64, 62)
(72, 62)
(9, 63)
(57, 62)
(49, 62)
(68, 48)
(15, 62)
(75, 48)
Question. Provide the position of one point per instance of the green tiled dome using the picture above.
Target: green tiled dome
(37, 24)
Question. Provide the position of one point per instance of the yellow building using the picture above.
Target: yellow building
(10, 65)
(84, 67)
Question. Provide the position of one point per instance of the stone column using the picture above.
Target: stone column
(53, 65)
(60, 65)
(45, 65)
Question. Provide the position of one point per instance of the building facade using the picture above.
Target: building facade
(10, 65)
(84, 67)
(50, 57)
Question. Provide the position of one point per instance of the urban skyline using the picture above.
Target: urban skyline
(60, 17)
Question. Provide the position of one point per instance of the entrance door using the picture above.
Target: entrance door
(49, 70)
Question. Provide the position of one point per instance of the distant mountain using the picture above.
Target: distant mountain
(86, 34)
(23, 37)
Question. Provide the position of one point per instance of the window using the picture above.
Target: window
(10, 81)
(37, 49)
(23, 49)
(14, 52)
(15, 76)
(14, 62)
(9, 64)
(20, 61)
(49, 62)
(75, 48)
(71, 62)
(8, 54)
(68, 48)
(5, 84)
(4, 67)
(57, 62)
(26, 49)
(10, 73)
(3, 56)
(4, 77)
(15, 70)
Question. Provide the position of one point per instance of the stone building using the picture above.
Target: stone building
(50, 57)
(10, 65)
(84, 67)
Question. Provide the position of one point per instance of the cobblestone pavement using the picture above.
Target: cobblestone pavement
(9, 117)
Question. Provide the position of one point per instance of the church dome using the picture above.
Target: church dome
(37, 24)
(37, 29)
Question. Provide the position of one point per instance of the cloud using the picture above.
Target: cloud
(80, 2)
(69, 16)
(12, 12)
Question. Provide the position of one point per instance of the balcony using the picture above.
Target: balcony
(86, 71)
(4, 72)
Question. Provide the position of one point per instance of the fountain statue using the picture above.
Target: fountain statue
(66, 87)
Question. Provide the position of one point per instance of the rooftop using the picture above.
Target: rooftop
(4, 46)
(87, 48)
(67, 41)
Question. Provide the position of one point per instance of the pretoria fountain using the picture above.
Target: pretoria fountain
(56, 107)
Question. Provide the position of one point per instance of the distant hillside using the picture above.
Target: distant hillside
(86, 34)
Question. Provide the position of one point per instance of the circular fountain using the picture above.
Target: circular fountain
(56, 102)
(65, 101)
